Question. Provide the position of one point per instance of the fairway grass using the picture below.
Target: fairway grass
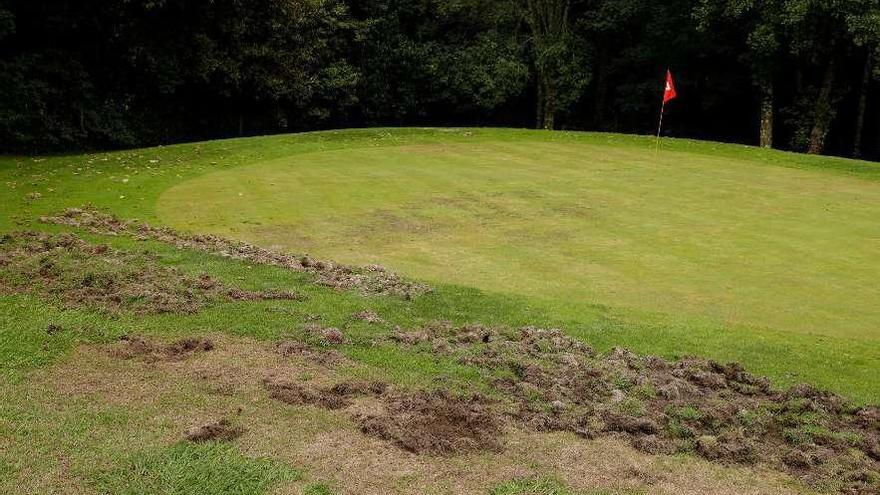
(725, 251)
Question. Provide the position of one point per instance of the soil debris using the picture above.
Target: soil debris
(137, 347)
(97, 276)
(222, 430)
(719, 411)
(371, 279)
(337, 396)
(325, 357)
(436, 422)
(327, 335)
(368, 316)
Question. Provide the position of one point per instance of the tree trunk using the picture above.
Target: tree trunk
(601, 92)
(241, 124)
(863, 104)
(766, 138)
(549, 117)
(823, 113)
(539, 104)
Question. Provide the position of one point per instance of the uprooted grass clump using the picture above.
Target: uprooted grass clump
(144, 349)
(337, 396)
(436, 422)
(320, 355)
(222, 430)
(372, 279)
(95, 275)
(719, 411)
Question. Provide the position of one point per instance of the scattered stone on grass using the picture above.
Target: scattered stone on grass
(719, 411)
(436, 422)
(371, 279)
(95, 275)
(222, 430)
(136, 347)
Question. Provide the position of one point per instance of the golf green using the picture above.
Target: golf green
(701, 235)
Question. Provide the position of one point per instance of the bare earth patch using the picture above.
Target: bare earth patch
(136, 347)
(165, 398)
(371, 279)
(219, 430)
(436, 422)
(718, 411)
(95, 275)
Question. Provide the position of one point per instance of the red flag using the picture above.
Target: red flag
(670, 93)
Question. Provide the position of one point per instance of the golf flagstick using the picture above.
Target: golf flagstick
(669, 93)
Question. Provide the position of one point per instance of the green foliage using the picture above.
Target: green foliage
(117, 73)
(186, 468)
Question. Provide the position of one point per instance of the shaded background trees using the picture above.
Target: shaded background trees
(793, 74)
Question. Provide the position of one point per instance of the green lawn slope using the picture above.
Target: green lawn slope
(723, 251)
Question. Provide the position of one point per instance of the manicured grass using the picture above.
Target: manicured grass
(724, 251)
(684, 233)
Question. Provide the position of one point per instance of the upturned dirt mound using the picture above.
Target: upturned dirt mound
(337, 396)
(222, 430)
(371, 279)
(436, 422)
(84, 274)
(136, 347)
(718, 411)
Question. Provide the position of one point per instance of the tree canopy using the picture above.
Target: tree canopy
(792, 74)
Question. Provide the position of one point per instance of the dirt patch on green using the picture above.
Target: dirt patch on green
(222, 430)
(337, 396)
(136, 347)
(372, 279)
(95, 275)
(719, 411)
(326, 357)
(436, 422)
(368, 316)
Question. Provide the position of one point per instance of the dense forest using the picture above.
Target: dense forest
(792, 74)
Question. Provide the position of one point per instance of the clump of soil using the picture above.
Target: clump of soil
(222, 430)
(436, 422)
(368, 316)
(718, 411)
(136, 347)
(372, 279)
(328, 336)
(94, 275)
(336, 397)
(324, 357)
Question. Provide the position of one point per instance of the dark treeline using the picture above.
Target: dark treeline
(792, 74)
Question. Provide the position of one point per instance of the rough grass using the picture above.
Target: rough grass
(188, 468)
(549, 486)
(88, 420)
